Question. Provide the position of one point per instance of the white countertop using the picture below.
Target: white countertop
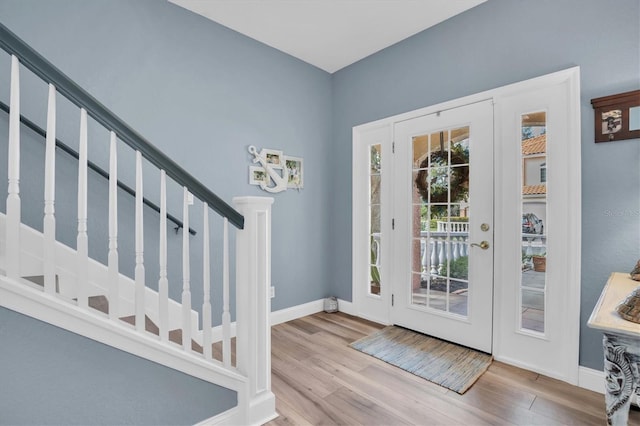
(604, 316)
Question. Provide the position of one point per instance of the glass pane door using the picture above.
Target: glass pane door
(534, 220)
(443, 242)
(440, 196)
(375, 181)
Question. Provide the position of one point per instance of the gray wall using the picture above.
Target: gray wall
(494, 44)
(201, 93)
(45, 383)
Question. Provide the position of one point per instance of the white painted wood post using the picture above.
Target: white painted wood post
(424, 246)
(113, 259)
(163, 282)
(12, 248)
(441, 259)
(139, 274)
(434, 255)
(206, 284)
(82, 276)
(253, 306)
(226, 315)
(186, 274)
(49, 222)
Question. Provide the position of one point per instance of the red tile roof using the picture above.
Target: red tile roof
(534, 189)
(537, 145)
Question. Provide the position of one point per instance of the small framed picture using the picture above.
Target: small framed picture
(273, 158)
(617, 117)
(257, 175)
(295, 168)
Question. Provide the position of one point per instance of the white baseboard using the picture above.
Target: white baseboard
(283, 315)
(594, 380)
(310, 308)
(346, 307)
(591, 379)
(298, 311)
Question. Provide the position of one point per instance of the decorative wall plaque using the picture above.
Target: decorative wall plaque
(617, 117)
(276, 171)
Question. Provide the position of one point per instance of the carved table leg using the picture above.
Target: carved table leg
(622, 378)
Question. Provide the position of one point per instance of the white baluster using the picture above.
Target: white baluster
(206, 284)
(139, 269)
(465, 245)
(424, 247)
(441, 259)
(113, 260)
(12, 250)
(456, 247)
(226, 316)
(49, 223)
(163, 282)
(447, 256)
(186, 291)
(82, 277)
(529, 250)
(434, 255)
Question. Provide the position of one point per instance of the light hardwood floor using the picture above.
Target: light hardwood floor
(318, 379)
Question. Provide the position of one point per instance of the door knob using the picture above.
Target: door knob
(483, 245)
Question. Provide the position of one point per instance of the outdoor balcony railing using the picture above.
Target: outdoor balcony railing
(442, 226)
(438, 246)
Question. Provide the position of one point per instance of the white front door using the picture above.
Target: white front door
(422, 210)
(443, 220)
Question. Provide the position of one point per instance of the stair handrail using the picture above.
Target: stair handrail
(48, 72)
(93, 166)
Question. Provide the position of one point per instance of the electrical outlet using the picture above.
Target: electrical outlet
(273, 292)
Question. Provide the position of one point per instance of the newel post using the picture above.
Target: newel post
(253, 305)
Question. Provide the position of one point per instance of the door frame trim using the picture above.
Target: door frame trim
(570, 75)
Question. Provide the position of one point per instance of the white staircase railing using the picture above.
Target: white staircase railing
(71, 278)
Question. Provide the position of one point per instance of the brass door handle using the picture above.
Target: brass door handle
(483, 245)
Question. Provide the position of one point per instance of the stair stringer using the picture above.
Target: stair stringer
(31, 263)
(94, 325)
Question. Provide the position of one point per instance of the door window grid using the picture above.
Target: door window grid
(532, 288)
(375, 183)
(440, 221)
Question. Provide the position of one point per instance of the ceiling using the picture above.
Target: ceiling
(329, 34)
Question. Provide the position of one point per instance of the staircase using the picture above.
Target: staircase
(43, 278)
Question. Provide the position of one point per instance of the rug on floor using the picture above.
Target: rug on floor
(446, 364)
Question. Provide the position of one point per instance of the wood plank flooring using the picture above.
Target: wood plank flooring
(319, 380)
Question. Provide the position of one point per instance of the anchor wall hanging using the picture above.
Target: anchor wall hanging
(277, 172)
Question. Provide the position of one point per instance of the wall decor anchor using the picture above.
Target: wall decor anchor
(276, 172)
(617, 117)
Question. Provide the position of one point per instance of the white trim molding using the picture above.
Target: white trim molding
(568, 82)
(97, 326)
(591, 379)
(298, 311)
(285, 315)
